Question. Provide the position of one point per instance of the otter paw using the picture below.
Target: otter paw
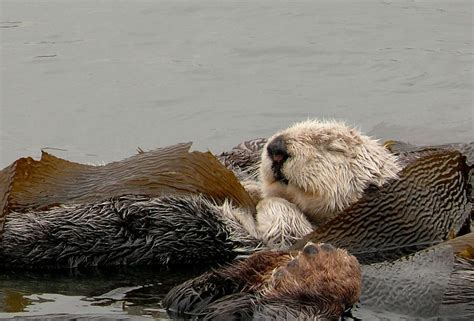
(312, 260)
(280, 223)
(317, 273)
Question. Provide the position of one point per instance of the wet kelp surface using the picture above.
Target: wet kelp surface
(28, 184)
(431, 284)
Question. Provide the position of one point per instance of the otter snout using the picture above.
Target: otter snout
(278, 153)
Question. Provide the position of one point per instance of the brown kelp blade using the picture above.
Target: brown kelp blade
(406, 150)
(425, 206)
(435, 282)
(462, 246)
(408, 153)
(28, 184)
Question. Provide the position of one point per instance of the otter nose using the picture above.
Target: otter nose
(277, 151)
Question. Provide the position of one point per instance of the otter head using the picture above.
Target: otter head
(323, 167)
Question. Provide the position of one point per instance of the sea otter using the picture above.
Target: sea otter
(143, 229)
(321, 282)
(320, 166)
(323, 167)
(307, 174)
(376, 202)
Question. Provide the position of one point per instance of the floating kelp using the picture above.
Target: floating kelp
(404, 149)
(428, 204)
(435, 282)
(28, 184)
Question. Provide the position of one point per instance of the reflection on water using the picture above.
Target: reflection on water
(14, 301)
(133, 291)
(57, 303)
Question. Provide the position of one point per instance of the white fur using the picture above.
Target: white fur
(240, 216)
(330, 166)
(280, 223)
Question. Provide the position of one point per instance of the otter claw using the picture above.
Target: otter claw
(310, 249)
(293, 263)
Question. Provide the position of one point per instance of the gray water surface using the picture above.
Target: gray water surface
(91, 81)
(96, 79)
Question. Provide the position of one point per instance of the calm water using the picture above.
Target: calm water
(94, 80)
(106, 292)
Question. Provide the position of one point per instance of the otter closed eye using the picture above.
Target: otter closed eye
(330, 167)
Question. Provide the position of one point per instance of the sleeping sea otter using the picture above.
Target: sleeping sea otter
(321, 282)
(323, 167)
(295, 172)
(301, 170)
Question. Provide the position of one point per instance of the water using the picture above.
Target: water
(99, 78)
(91, 81)
(105, 292)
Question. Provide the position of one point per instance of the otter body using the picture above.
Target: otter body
(321, 176)
(321, 282)
(128, 230)
(305, 175)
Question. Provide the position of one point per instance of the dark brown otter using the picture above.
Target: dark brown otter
(318, 282)
(321, 282)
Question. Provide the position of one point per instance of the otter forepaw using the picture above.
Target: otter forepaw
(307, 262)
(317, 273)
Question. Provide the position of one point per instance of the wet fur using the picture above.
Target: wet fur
(315, 284)
(329, 167)
(430, 283)
(139, 230)
(280, 223)
(128, 230)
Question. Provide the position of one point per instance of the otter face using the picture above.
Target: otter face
(323, 167)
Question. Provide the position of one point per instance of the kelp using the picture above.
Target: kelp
(405, 149)
(428, 204)
(28, 184)
(432, 283)
(407, 153)
(462, 246)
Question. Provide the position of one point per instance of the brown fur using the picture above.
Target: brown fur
(327, 279)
